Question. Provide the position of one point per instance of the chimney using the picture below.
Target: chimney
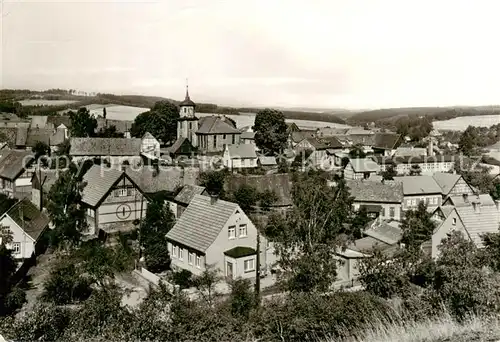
(213, 198)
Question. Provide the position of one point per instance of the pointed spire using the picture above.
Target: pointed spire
(187, 101)
(187, 90)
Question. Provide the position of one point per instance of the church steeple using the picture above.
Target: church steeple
(187, 100)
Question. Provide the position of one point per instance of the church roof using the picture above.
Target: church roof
(187, 101)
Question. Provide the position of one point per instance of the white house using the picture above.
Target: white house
(216, 233)
(241, 156)
(26, 225)
(150, 146)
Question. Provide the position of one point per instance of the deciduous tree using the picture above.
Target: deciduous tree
(270, 129)
(417, 226)
(82, 123)
(160, 121)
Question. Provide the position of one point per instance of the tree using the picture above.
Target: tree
(157, 223)
(267, 198)
(213, 181)
(8, 268)
(41, 149)
(160, 121)
(206, 284)
(82, 123)
(109, 132)
(468, 141)
(359, 222)
(357, 152)
(389, 173)
(246, 196)
(65, 209)
(415, 170)
(242, 298)
(309, 235)
(65, 285)
(417, 226)
(271, 134)
(104, 114)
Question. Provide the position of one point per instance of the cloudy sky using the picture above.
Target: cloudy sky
(332, 53)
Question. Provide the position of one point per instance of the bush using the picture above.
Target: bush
(65, 286)
(15, 299)
(183, 278)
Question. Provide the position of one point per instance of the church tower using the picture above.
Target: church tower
(187, 126)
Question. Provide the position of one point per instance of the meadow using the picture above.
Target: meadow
(46, 102)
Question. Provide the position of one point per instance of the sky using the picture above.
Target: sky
(283, 53)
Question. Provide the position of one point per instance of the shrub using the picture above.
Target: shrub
(183, 278)
(65, 286)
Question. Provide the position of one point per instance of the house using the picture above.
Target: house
(215, 133)
(184, 197)
(112, 200)
(59, 121)
(115, 151)
(382, 200)
(242, 156)
(428, 165)
(410, 152)
(267, 162)
(315, 152)
(150, 146)
(27, 225)
(418, 189)
(348, 266)
(216, 233)
(163, 180)
(471, 215)
(386, 143)
(278, 183)
(361, 168)
(452, 184)
(50, 137)
(181, 147)
(296, 137)
(42, 180)
(16, 170)
(292, 127)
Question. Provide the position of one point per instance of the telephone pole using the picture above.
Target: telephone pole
(257, 270)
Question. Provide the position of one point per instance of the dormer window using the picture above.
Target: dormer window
(454, 221)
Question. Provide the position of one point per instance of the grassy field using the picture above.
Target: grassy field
(445, 329)
(46, 102)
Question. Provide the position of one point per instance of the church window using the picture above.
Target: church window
(234, 135)
(215, 141)
(190, 125)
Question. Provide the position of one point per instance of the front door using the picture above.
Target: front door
(229, 269)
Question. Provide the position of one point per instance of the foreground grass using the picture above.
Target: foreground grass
(445, 329)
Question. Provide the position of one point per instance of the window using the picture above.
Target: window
(174, 251)
(215, 141)
(16, 247)
(408, 203)
(121, 192)
(234, 136)
(130, 191)
(231, 232)
(198, 261)
(392, 212)
(383, 212)
(243, 230)
(90, 212)
(414, 202)
(224, 137)
(435, 200)
(190, 258)
(249, 265)
(190, 125)
(454, 222)
(181, 254)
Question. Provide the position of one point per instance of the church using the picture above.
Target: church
(208, 134)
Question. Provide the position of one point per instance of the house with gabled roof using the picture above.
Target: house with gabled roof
(296, 137)
(115, 151)
(26, 225)
(184, 197)
(379, 199)
(386, 143)
(474, 216)
(216, 233)
(16, 170)
(361, 168)
(452, 184)
(418, 189)
(150, 146)
(112, 199)
(241, 156)
(215, 133)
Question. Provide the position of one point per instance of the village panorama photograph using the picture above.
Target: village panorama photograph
(249, 170)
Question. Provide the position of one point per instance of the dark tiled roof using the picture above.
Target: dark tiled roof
(29, 218)
(280, 183)
(240, 252)
(216, 125)
(187, 101)
(368, 244)
(105, 147)
(201, 222)
(386, 140)
(98, 182)
(181, 145)
(418, 185)
(21, 136)
(50, 137)
(301, 135)
(367, 191)
(318, 145)
(167, 179)
(388, 232)
(188, 192)
(446, 181)
(331, 142)
(8, 135)
(13, 163)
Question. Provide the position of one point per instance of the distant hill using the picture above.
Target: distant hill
(141, 101)
(391, 115)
